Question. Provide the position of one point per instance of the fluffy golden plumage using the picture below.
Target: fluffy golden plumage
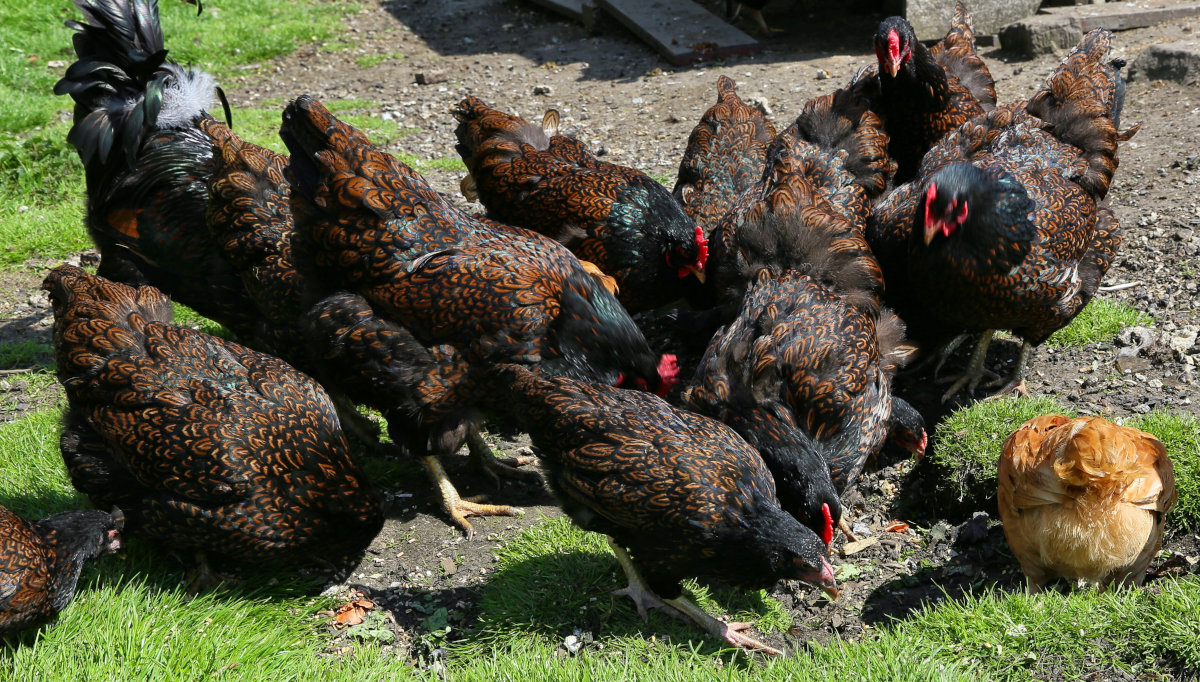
(1084, 499)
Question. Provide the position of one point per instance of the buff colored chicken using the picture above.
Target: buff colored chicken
(1084, 499)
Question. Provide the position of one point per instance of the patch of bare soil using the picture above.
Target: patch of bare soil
(418, 58)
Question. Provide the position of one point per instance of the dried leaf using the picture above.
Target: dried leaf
(353, 612)
(897, 527)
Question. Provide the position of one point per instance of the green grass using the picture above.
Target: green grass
(28, 353)
(1180, 433)
(368, 61)
(967, 446)
(1101, 320)
(186, 317)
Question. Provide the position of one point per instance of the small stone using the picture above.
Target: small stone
(860, 529)
(448, 566)
(542, 90)
(1144, 408)
(572, 644)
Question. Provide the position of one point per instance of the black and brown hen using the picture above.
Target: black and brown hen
(40, 562)
(203, 443)
(923, 93)
(491, 292)
(1006, 226)
(616, 217)
(725, 155)
(677, 493)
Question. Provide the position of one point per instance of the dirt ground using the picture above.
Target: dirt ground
(417, 58)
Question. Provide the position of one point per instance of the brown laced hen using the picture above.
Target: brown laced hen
(924, 93)
(1084, 499)
(203, 443)
(725, 155)
(40, 562)
(616, 217)
(822, 174)
(1006, 226)
(492, 292)
(678, 494)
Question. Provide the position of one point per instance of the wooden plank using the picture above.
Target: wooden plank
(680, 30)
(571, 9)
(1120, 16)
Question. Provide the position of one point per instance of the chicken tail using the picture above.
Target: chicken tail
(488, 138)
(1082, 104)
(123, 85)
(78, 297)
(843, 121)
(1104, 458)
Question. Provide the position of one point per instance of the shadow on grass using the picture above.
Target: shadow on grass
(555, 595)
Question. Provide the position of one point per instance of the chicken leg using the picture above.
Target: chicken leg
(681, 607)
(460, 508)
(973, 374)
(495, 467)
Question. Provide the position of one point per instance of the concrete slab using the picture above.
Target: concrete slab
(1119, 16)
(680, 30)
(930, 19)
(1057, 29)
(571, 9)
(1178, 62)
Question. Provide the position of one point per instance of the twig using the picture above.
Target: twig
(6, 372)
(1120, 287)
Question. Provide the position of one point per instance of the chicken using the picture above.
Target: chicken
(1084, 499)
(822, 172)
(725, 155)
(678, 494)
(1006, 226)
(616, 217)
(147, 162)
(924, 93)
(40, 562)
(834, 362)
(493, 293)
(204, 444)
(753, 8)
(811, 315)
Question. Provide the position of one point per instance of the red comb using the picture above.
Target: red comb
(894, 45)
(930, 195)
(827, 534)
(668, 374)
(702, 248)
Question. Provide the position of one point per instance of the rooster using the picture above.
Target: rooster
(677, 494)
(204, 444)
(40, 562)
(493, 293)
(725, 155)
(1084, 499)
(616, 217)
(923, 93)
(147, 162)
(1006, 225)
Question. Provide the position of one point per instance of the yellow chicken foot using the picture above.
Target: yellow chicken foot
(495, 467)
(643, 598)
(973, 374)
(457, 507)
(681, 607)
(730, 632)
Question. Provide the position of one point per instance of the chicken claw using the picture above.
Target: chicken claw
(457, 507)
(974, 372)
(495, 467)
(730, 632)
(682, 608)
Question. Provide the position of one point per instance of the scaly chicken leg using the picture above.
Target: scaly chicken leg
(495, 467)
(681, 607)
(973, 374)
(460, 508)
